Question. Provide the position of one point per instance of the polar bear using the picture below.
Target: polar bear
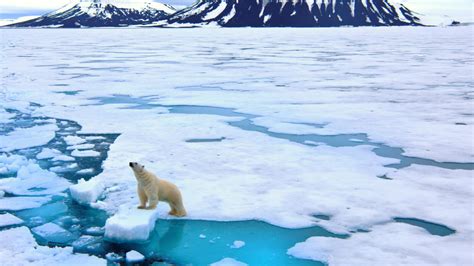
(151, 189)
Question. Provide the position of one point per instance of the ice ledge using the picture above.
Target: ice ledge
(86, 192)
(130, 225)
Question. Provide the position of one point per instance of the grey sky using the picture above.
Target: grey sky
(456, 9)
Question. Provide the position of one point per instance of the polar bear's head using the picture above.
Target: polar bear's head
(136, 167)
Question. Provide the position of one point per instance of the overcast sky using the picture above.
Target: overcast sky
(457, 9)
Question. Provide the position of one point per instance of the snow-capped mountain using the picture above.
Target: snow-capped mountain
(296, 13)
(101, 13)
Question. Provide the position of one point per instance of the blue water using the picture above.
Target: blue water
(181, 242)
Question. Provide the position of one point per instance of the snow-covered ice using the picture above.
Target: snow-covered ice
(53, 232)
(134, 256)
(22, 138)
(74, 140)
(85, 171)
(85, 153)
(228, 262)
(408, 88)
(31, 179)
(84, 146)
(131, 225)
(47, 153)
(22, 203)
(18, 247)
(388, 244)
(86, 191)
(8, 219)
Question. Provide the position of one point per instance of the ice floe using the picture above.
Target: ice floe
(22, 203)
(85, 153)
(237, 244)
(8, 219)
(51, 232)
(228, 262)
(131, 225)
(134, 256)
(18, 247)
(22, 138)
(86, 191)
(389, 244)
(31, 179)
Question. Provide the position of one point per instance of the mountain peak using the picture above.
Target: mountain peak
(296, 13)
(101, 13)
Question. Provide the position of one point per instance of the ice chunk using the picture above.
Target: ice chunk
(113, 257)
(134, 256)
(88, 244)
(95, 231)
(51, 232)
(22, 203)
(85, 153)
(85, 146)
(47, 153)
(22, 138)
(18, 247)
(87, 171)
(64, 168)
(33, 180)
(74, 140)
(228, 262)
(387, 244)
(86, 192)
(237, 244)
(130, 225)
(2, 194)
(95, 138)
(63, 158)
(10, 164)
(8, 219)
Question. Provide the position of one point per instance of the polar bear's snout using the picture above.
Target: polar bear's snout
(131, 164)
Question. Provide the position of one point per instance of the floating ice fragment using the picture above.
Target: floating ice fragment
(86, 192)
(9, 164)
(33, 180)
(64, 169)
(85, 146)
(85, 153)
(130, 225)
(228, 262)
(8, 219)
(47, 153)
(74, 140)
(113, 257)
(202, 236)
(63, 158)
(51, 232)
(85, 171)
(237, 244)
(22, 203)
(134, 256)
(22, 138)
(18, 247)
(88, 244)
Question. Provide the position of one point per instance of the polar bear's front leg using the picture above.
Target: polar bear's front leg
(143, 198)
(153, 201)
